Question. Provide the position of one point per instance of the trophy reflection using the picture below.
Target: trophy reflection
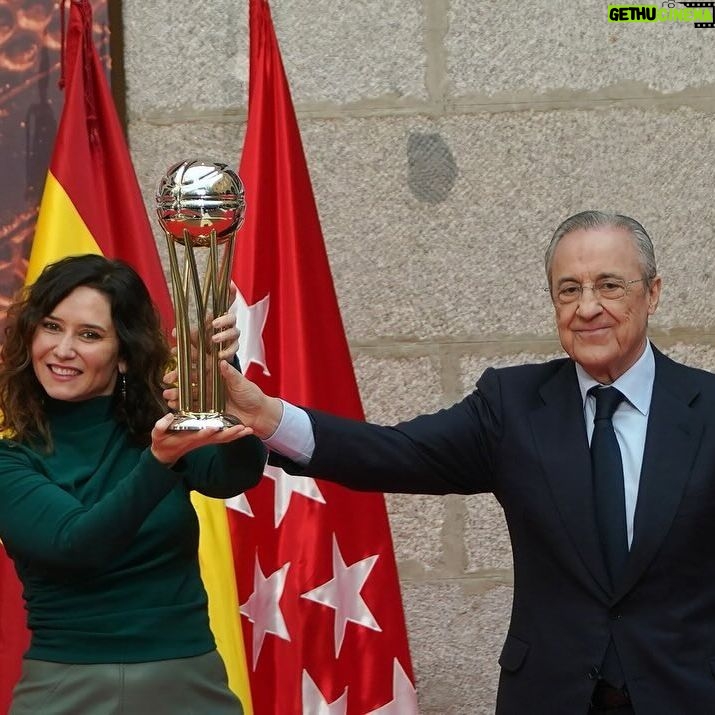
(200, 206)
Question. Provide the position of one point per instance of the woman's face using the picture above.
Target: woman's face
(75, 349)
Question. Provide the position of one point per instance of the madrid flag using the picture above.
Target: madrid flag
(92, 204)
(323, 621)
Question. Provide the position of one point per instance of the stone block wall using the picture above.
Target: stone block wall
(446, 139)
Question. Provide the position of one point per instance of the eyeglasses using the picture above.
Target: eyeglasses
(604, 289)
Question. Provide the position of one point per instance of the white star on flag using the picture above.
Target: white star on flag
(404, 696)
(286, 486)
(262, 607)
(240, 504)
(314, 703)
(251, 320)
(342, 593)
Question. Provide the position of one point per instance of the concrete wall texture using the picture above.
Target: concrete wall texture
(446, 140)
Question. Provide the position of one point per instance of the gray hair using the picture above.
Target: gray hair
(600, 219)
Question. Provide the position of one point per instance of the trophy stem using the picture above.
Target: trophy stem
(200, 309)
(217, 308)
(201, 396)
(181, 315)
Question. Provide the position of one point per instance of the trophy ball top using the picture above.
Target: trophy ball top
(196, 197)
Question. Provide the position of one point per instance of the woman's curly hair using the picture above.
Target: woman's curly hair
(142, 345)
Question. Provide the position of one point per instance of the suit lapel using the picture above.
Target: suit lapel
(562, 443)
(672, 440)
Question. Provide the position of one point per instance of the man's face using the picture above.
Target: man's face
(605, 336)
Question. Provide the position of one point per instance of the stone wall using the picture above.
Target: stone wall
(446, 139)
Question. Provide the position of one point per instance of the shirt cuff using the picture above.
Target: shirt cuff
(293, 437)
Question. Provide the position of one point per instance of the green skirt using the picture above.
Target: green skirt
(183, 686)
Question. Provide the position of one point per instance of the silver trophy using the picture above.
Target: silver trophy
(201, 206)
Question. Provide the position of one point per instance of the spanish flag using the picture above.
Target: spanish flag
(92, 203)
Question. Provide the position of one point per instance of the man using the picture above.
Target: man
(613, 544)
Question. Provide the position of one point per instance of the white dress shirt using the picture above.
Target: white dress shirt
(630, 421)
(293, 437)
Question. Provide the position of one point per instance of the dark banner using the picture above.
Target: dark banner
(30, 106)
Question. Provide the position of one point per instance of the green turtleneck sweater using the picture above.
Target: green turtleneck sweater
(104, 537)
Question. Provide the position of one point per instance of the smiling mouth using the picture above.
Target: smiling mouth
(593, 332)
(60, 371)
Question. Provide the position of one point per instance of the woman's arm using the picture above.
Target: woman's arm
(226, 470)
(41, 522)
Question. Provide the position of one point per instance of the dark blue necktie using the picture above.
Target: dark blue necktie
(608, 489)
(610, 503)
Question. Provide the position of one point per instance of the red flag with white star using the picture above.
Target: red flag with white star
(323, 622)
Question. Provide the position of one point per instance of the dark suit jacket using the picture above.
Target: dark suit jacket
(521, 435)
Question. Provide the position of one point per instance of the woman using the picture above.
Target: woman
(94, 502)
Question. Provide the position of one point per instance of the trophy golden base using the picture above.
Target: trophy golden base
(194, 421)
